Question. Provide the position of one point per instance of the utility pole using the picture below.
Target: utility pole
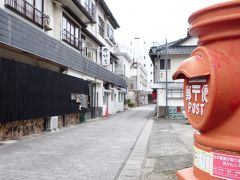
(166, 66)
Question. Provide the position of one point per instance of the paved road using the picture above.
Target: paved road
(96, 150)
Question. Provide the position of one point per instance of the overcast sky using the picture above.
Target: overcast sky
(154, 20)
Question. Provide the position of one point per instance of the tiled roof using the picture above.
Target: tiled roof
(177, 50)
(172, 48)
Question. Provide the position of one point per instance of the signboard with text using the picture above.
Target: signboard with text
(217, 163)
(105, 56)
(226, 166)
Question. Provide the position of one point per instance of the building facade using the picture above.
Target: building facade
(140, 50)
(137, 89)
(166, 58)
(57, 64)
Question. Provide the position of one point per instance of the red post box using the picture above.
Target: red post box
(212, 92)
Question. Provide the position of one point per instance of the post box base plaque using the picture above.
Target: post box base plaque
(212, 164)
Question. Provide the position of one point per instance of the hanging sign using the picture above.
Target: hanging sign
(105, 56)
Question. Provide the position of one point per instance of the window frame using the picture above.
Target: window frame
(163, 64)
(110, 33)
(101, 25)
(22, 7)
(70, 28)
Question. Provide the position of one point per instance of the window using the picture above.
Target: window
(124, 70)
(162, 64)
(70, 32)
(89, 6)
(100, 26)
(110, 33)
(30, 9)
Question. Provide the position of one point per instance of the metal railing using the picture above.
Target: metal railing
(71, 39)
(27, 10)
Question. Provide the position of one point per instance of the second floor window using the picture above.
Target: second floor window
(162, 64)
(30, 9)
(71, 33)
(100, 26)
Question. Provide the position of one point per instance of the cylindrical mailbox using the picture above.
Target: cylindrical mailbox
(212, 92)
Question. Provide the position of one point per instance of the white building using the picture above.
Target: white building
(166, 59)
(140, 54)
(137, 89)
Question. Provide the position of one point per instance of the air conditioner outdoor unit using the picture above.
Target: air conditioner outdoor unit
(52, 123)
(46, 23)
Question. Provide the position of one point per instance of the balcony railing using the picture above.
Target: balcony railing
(27, 10)
(72, 40)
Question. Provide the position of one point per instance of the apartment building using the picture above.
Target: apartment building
(57, 64)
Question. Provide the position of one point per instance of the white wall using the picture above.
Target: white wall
(161, 97)
(190, 42)
(175, 102)
(176, 60)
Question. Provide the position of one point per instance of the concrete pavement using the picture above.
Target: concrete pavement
(170, 148)
(98, 150)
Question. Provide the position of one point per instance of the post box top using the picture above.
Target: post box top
(220, 21)
(219, 6)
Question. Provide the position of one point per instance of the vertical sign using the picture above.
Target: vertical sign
(105, 56)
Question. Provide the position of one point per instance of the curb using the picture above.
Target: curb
(133, 166)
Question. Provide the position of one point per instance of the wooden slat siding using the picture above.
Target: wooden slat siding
(29, 92)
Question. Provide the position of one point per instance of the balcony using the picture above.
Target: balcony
(28, 11)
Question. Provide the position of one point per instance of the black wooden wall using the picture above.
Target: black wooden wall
(28, 92)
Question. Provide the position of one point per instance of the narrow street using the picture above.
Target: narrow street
(94, 150)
